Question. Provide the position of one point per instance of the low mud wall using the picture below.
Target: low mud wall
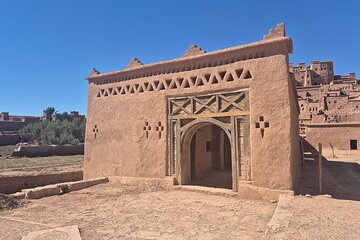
(44, 151)
(12, 184)
(9, 139)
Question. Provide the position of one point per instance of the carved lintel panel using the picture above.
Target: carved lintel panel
(211, 103)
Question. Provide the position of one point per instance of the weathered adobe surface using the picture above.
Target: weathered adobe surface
(116, 143)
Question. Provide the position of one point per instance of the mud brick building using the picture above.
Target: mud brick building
(329, 105)
(227, 118)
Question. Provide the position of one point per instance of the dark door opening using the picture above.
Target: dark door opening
(210, 157)
(353, 144)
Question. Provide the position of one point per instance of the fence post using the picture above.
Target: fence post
(320, 169)
(302, 151)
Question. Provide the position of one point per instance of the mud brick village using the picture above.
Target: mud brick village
(235, 143)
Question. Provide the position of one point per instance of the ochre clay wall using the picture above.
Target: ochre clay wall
(272, 97)
(117, 142)
(11, 125)
(294, 134)
(12, 184)
(337, 134)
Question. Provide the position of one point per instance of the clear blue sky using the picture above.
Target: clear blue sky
(47, 47)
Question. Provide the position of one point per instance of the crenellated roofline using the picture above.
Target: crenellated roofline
(259, 49)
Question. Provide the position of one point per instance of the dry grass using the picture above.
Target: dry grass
(7, 150)
(21, 166)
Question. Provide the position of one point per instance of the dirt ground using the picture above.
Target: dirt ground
(320, 217)
(342, 155)
(111, 211)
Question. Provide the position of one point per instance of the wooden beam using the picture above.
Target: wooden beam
(212, 115)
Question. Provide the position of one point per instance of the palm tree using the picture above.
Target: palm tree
(49, 112)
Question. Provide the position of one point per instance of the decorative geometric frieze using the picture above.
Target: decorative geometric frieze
(150, 72)
(214, 103)
(262, 125)
(174, 83)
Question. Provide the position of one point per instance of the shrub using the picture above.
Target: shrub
(54, 132)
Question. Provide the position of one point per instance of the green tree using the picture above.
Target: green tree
(55, 132)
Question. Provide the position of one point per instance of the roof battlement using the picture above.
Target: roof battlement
(277, 32)
(134, 63)
(274, 43)
(194, 50)
(93, 73)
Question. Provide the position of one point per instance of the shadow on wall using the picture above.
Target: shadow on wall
(341, 180)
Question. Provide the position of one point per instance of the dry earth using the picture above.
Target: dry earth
(111, 211)
(14, 166)
(320, 217)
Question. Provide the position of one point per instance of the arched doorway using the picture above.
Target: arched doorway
(210, 158)
(206, 156)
